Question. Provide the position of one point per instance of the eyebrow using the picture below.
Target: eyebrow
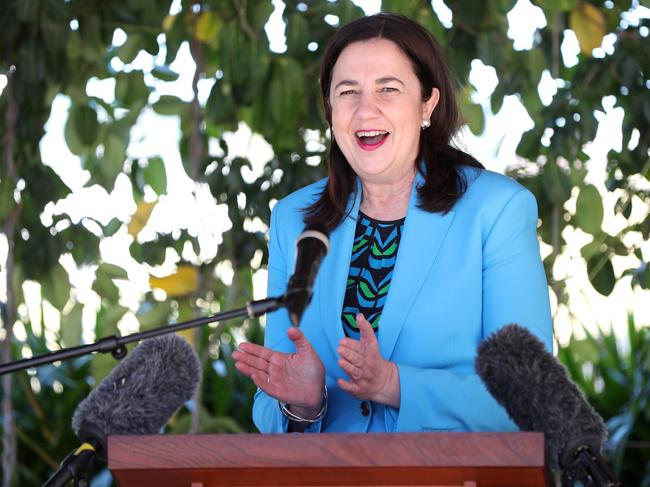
(380, 81)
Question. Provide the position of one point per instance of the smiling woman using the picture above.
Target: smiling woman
(378, 111)
(429, 254)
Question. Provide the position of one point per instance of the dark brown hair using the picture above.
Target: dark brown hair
(444, 181)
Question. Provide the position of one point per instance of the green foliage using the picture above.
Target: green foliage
(54, 47)
(614, 374)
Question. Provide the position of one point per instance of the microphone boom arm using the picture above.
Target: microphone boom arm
(116, 345)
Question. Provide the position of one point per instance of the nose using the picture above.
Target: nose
(367, 107)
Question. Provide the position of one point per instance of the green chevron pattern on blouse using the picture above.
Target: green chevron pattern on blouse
(371, 269)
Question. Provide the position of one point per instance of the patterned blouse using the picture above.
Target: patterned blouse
(371, 269)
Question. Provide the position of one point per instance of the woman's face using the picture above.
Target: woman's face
(377, 110)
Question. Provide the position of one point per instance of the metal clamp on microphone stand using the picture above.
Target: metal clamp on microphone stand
(116, 345)
(581, 464)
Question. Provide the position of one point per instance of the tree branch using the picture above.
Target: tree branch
(9, 228)
(197, 154)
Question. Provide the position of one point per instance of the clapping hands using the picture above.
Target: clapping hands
(371, 376)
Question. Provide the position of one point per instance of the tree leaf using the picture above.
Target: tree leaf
(164, 72)
(588, 23)
(130, 89)
(208, 26)
(85, 124)
(168, 22)
(169, 105)
(56, 287)
(72, 138)
(184, 281)
(140, 217)
(113, 159)
(601, 274)
(71, 326)
(286, 92)
(152, 315)
(297, 34)
(155, 175)
(589, 210)
(112, 227)
(106, 288)
(559, 5)
(556, 183)
(108, 317)
(472, 114)
(112, 271)
(474, 118)
(594, 248)
(128, 51)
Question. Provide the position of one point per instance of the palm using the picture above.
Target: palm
(295, 378)
(299, 380)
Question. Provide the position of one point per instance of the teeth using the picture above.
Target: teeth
(370, 133)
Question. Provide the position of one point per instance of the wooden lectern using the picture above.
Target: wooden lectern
(434, 459)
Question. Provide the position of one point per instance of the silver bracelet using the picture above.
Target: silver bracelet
(284, 407)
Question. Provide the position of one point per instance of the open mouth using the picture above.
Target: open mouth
(371, 139)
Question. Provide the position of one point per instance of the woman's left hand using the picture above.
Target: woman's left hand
(371, 376)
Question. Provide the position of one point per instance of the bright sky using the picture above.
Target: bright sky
(191, 206)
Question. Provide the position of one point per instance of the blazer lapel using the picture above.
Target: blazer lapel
(335, 267)
(421, 239)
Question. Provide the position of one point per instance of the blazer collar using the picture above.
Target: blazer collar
(421, 239)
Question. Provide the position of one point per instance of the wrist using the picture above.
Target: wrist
(300, 414)
(304, 412)
(389, 392)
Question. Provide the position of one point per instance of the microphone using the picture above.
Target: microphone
(538, 395)
(312, 246)
(138, 397)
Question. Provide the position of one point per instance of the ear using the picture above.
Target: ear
(430, 105)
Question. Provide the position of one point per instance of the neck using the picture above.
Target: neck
(387, 201)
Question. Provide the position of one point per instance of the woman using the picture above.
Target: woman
(429, 255)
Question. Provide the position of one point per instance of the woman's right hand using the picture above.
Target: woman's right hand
(296, 378)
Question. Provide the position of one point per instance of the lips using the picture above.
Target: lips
(371, 139)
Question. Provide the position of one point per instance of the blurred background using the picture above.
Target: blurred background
(144, 142)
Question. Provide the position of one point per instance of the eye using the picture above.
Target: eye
(389, 89)
(347, 92)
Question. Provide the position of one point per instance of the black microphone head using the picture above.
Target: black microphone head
(312, 247)
(141, 393)
(315, 231)
(536, 392)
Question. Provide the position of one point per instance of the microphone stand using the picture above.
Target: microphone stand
(116, 345)
(75, 466)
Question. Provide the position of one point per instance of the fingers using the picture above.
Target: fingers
(352, 355)
(349, 387)
(261, 380)
(299, 340)
(254, 361)
(254, 349)
(365, 329)
(353, 371)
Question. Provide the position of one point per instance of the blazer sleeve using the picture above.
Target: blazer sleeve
(514, 290)
(266, 411)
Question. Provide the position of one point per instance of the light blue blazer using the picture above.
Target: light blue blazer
(458, 278)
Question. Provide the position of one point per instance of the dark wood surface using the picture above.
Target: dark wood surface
(490, 459)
